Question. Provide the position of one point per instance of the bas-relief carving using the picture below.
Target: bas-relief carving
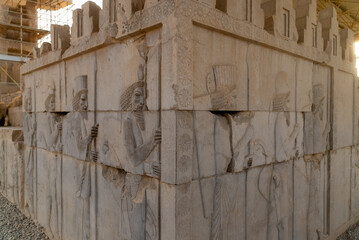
(317, 127)
(285, 134)
(137, 200)
(269, 202)
(78, 144)
(309, 194)
(51, 133)
(137, 148)
(221, 86)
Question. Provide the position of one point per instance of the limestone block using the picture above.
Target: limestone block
(253, 139)
(304, 85)
(309, 29)
(275, 23)
(309, 194)
(91, 18)
(118, 67)
(109, 15)
(218, 207)
(177, 150)
(249, 10)
(130, 143)
(212, 144)
(272, 78)
(330, 31)
(60, 37)
(15, 116)
(317, 123)
(78, 194)
(177, 73)
(30, 155)
(220, 77)
(269, 202)
(47, 82)
(49, 134)
(340, 162)
(45, 48)
(77, 29)
(354, 182)
(49, 192)
(211, 208)
(28, 97)
(347, 45)
(343, 115)
(30, 126)
(128, 205)
(176, 202)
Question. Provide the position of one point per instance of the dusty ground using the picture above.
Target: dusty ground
(15, 226)
(351, 234)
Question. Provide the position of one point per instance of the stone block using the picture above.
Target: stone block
(343, 115)
(91, 18)
(220, 78)
(15, 116)
(177, 150)
(339, 183)
(317, 123)
(128, 205)
(130, 144)
(77, 29)
(60, 37)
(310, 175)
(45, 48)
(269, 202)
(356, 111)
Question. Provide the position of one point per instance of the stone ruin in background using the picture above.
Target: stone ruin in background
(183, 119)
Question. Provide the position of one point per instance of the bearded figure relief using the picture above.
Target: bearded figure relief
(138, 149)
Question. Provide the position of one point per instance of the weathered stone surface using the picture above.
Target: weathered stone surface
(189, 120)
(309, 194)
(343, 115)
(339, 182)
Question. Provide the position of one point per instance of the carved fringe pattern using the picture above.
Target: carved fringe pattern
(76, 100)
(151, 223)
(222, 206)
(222, 84)
(279, 102)
(140, 118)
(126, 97)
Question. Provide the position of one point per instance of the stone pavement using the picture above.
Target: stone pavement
(15, 226)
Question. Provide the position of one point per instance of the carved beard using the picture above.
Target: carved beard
(140, 119)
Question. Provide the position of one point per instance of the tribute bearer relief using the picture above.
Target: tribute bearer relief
(221, 85)
(52, 128)
(30, 141)
(78, 143)
(317, 127)
(138, 149)
(285, 134)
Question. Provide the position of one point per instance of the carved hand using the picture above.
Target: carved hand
(94, 156)
(156, 169)
(94, 131)
(157, 137)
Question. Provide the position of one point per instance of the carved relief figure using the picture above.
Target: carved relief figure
(52, 136)
(284, 136)
(78, 135)
(317, 128)
(138, 149)
(221, 85)
(30, 141)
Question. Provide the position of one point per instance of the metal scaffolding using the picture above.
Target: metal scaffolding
(23, 24)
